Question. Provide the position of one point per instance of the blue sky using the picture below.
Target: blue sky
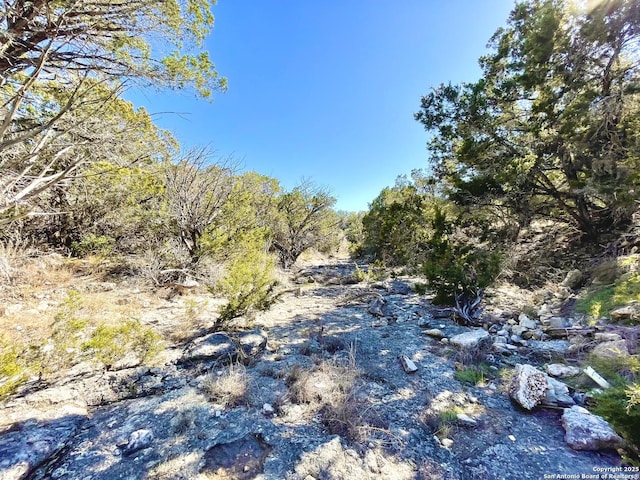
(327, 90)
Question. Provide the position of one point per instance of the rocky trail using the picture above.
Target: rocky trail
(338, 380)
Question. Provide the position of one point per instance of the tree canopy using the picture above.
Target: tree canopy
(552, 126)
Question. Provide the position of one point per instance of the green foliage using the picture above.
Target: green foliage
(454, 267)
(93, 245)
(13, 371)
(474, 374)
(374, 272)
(551, 128)
(110, 343)
(600, 302)
(619, 404)
(248, 284)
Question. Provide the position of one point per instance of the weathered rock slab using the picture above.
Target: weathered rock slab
(559, 370)
(23, 450)
(586, 431)
(614, 349)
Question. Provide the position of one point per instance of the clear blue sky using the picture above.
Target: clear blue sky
(327, 90)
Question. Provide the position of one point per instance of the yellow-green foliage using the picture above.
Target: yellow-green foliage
(375, 271)
(601, 302)
(247, 284)
(111, 343)
(93, 245)
(13, 372)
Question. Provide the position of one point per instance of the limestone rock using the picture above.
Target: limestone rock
(375, 307)
(211, 347)
(525, 321)
(562, 371)
(606, 337)
(408, 365)
(558, 394)
(624, 313)
(470, 339)
(529, 386)
(138, 440)
(434, 332)
(615, 349)
(585, 431)
(252, 342)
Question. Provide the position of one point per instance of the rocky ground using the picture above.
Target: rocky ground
(339, 380)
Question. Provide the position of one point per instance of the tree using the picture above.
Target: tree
(63, 66)
(305, 220)
(551, 128)
(196, 191)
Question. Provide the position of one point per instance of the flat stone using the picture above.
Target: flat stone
(466, 420)
(434, 332)
(562, 371)
(624, 313)
(585, 431)
(470, 339)
(615, 349)
(252, 342)
(408, 365)
(558, 322)
(607, 337)
(518, 330)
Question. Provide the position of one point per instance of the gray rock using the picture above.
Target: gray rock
(408, 365)
(470, 339)
(558, 322)
(375, 307)
(562, 371)
(434, 332)
(529, 386)
(24, 449)
(525, 321)
(518, 330)
(558, 394)
(466, 420)
(242, 459)
(211, 347)
(615, 349)
(585, 431)
(252, 343)
(550, 346)
(573, 279)
(624, 313)
(606, 337)
(138, 440)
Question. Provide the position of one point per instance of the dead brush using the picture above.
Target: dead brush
(230, 389)
(329, 389)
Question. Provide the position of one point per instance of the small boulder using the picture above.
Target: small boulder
(558, 394)
(529, 386)
(624, 313)
(211, 347)
(138, 440)
(615, 349)
(573, 279)
(434, 332)
(408, 365)
(585, 431)
(470, 339)
(606, 337)
(525, 321)
(562, 371)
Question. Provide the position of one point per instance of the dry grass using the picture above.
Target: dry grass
(230, 389)
(329, 389)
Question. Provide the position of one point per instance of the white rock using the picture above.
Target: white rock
(465, 419)
(407, 364)
(469, 339)
(526, 322)
(529, 386)
(434, 332)
(562, 371)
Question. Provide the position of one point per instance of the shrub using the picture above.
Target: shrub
(247, 284)
(457, 266)
(13, 371)
(111, 343)
(93, 245)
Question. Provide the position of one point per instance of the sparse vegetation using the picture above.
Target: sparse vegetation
(228, 388)
(599, 303)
